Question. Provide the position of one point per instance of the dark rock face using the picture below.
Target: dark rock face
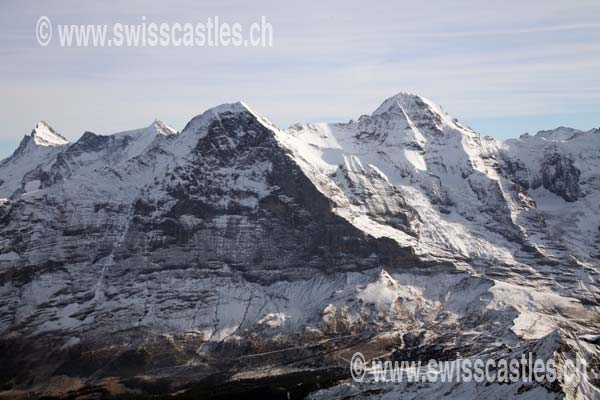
(561, 177)
(283, 230)
(516, 170)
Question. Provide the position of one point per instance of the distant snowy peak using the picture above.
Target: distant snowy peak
(118, 147)
(200, 121)
(421, 116)
(44, 135)
(415, 110)
(36, 151)
(559, 134)
(407, 103)
(157, 127)
(224, 112)
(163, 129)
(42, 140)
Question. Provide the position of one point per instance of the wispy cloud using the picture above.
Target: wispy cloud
(498, 32)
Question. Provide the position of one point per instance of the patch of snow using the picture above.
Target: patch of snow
(273, 320)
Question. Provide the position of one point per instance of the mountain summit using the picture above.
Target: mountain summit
(44, 135)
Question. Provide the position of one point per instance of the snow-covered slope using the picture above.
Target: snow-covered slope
(235, 251)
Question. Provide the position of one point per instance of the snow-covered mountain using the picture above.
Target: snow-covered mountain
(234, 254)
(35, 151)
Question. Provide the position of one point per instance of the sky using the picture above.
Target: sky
(504, 68)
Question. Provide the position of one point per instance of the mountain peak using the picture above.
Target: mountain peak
(156, 128)
(559, 134)
(162, 128)
(234, 108)
(416, 112)
(407, 103)
(224, 110)
(44, 135)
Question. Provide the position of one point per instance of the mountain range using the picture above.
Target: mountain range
(235, 258)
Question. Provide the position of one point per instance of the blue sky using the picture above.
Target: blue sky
(503, 68)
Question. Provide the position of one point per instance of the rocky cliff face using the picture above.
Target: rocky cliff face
(237, 255)
(561, 177)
